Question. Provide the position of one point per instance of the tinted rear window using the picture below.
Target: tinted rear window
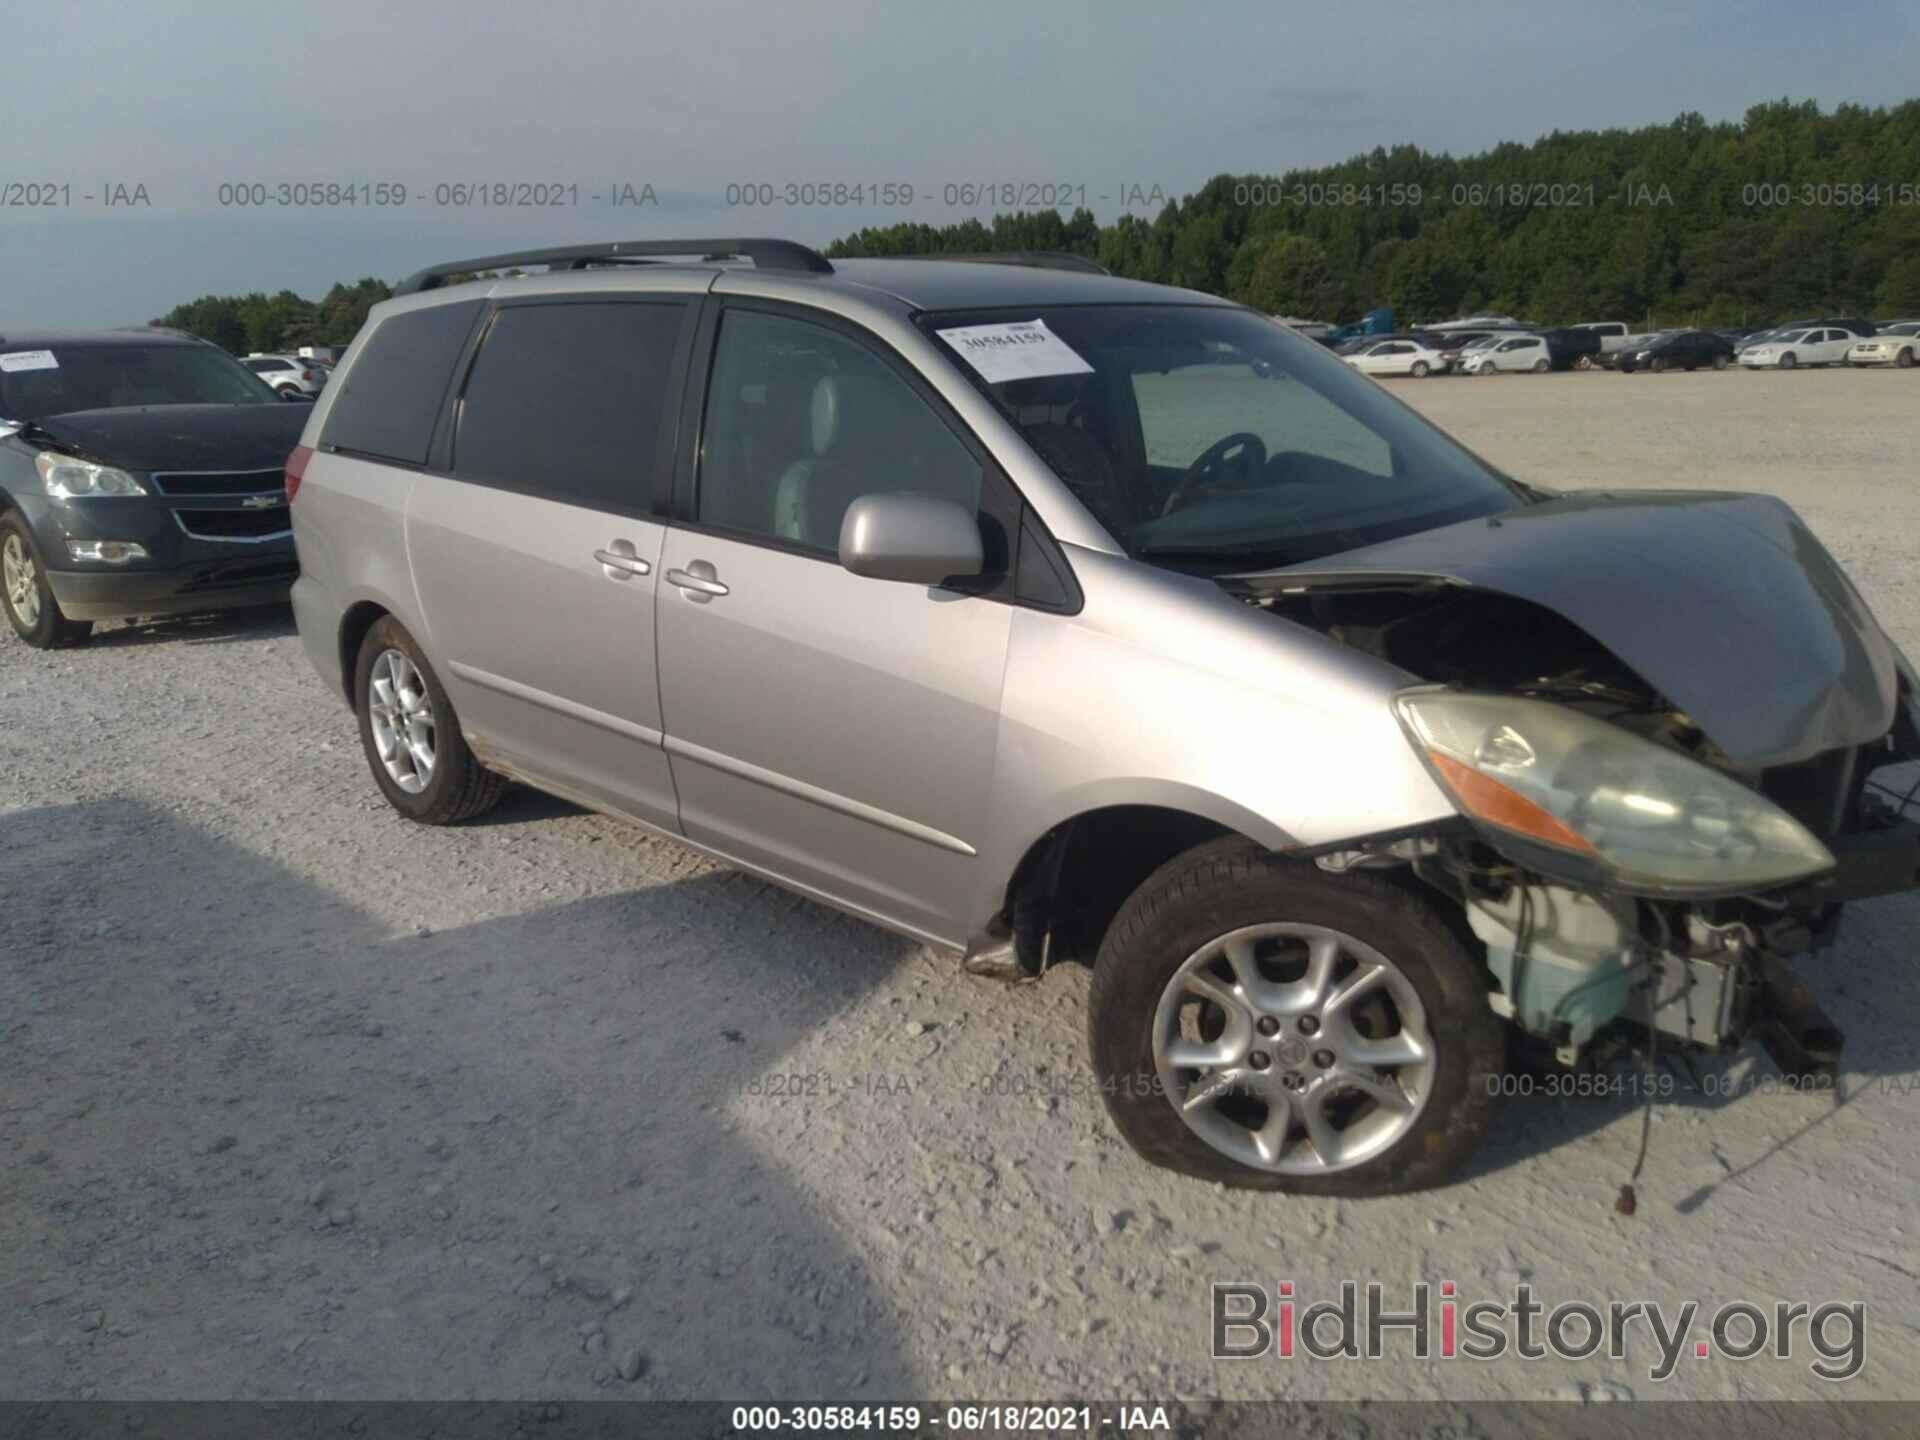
(389, 400)
(568, 401)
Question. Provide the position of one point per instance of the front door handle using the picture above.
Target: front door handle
(620, 562)
(698, 582)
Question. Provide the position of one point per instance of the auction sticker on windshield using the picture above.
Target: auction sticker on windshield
(1015, 350)
(29, 360)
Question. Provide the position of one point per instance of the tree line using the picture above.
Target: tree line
(1789, 211)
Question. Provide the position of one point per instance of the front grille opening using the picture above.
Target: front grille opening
(219, 482)
(235, 524)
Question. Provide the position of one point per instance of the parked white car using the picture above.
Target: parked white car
(1512, 352)
(1398, 357)
(1895, 343)
(1822, 345)
(292, 376)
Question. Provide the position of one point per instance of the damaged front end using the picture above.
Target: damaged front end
(1637, 844)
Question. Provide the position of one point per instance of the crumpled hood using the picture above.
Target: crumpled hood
(183, 437)
(1725, 603)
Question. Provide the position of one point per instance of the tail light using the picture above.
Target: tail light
(297, 469)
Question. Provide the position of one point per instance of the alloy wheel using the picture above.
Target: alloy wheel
(22, 581)
(1293, 1048)
(401, 712)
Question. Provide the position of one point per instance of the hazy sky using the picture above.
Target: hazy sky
(1117, 98)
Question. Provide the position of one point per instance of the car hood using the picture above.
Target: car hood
(1725, 603)
(182, 437)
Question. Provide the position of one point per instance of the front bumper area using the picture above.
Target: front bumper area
(204, 552)
(234, 584)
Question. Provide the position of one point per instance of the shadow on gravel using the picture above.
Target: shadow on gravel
(1867, 982)
(265, 622)
(252, 1144)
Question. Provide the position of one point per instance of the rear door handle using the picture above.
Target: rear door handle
(698, 582)
(620, 561)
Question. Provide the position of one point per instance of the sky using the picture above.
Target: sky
(713, 106)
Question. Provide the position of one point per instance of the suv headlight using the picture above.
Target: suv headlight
(1598, 804)
(69, 479)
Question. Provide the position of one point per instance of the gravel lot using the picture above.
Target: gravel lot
(299, 1100)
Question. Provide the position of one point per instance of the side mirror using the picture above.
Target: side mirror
(916, 538)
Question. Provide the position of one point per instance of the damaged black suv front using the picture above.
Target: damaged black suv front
(141, 473)
(1675, 734)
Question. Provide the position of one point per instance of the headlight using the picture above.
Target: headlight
(1605, 804)
(69, 479)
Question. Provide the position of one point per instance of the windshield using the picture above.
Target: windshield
(35, 384)
(1208, 439)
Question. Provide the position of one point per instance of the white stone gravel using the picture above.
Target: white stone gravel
(299, 1100)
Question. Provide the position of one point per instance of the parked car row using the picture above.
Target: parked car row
(1494, 345)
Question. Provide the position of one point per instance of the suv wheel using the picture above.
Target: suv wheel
(412, 738)
(31, 609)
(1258, 1022)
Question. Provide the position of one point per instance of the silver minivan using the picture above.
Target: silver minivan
(1045, 616)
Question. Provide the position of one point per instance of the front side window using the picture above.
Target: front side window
(1206, 438)
(802, 420)
(567, 401)
(35, 384)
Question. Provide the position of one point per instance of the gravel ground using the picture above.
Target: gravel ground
(299, 1100)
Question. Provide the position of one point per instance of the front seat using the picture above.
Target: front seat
(813, 493)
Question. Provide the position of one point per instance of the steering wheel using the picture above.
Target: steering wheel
(1253, 456)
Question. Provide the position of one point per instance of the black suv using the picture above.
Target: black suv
(142, 472)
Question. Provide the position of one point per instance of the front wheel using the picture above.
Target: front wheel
(1258, 1022)
(1787, 361)
(412, 738)
(1904, 360)
(27, 597)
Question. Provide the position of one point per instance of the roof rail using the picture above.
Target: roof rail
(1037, 259)
(766, 254)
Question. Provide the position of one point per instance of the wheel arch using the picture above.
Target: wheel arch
(1072, 877)
(355, 622)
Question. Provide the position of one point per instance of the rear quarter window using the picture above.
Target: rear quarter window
(387, 404)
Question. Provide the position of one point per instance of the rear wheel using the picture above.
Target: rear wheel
(1419, 370)
(1540, 367)
(413, 740)
(1719, 362)
(1258, 1022)
(31, 609)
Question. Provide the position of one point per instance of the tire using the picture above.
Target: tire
(1904, 360)
(1657, 366)
(1787, 361)
(452, 786)
(35, 615)
(1180, 914)
(1419, 370)
(1719, 362)
(1540, 367)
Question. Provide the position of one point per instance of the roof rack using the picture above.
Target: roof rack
(1037, 259)
(766, 254)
